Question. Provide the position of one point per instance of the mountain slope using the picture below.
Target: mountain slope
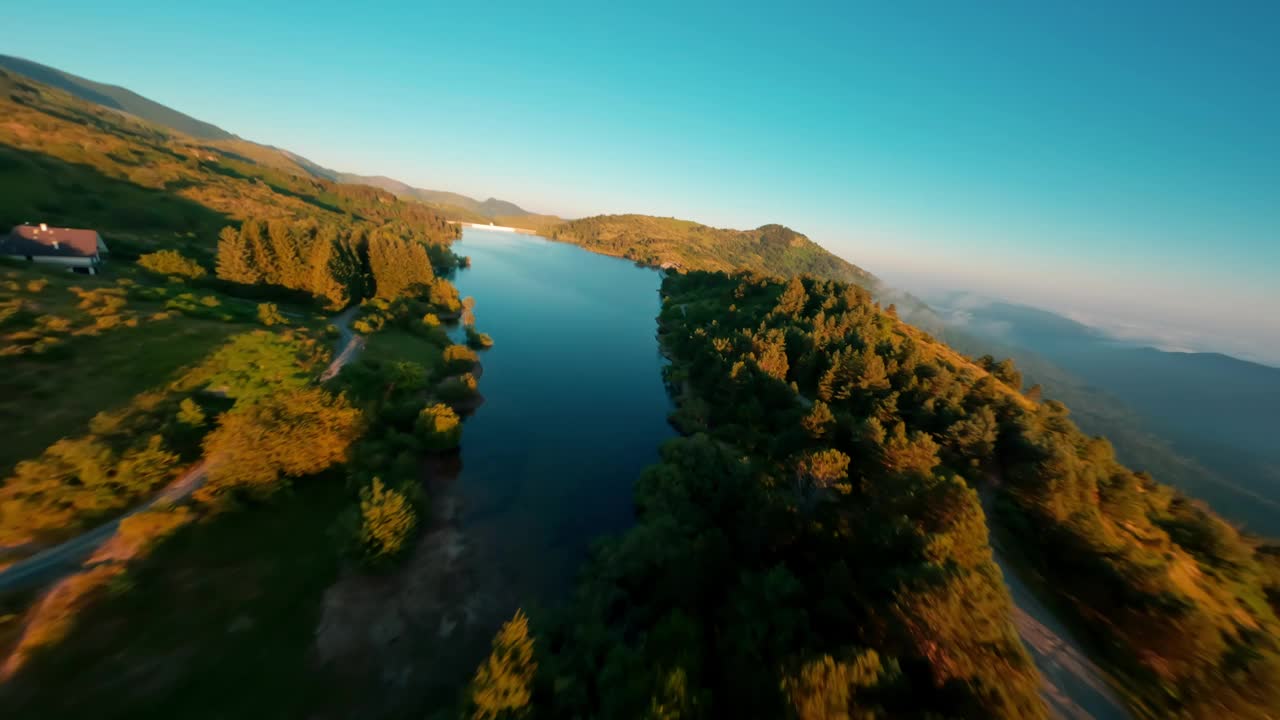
(657, 241)
(1203, 422)
(69, 162)
(454, 205)
(478, 211)
(117, 98)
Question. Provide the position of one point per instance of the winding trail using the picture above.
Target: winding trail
(52, 563)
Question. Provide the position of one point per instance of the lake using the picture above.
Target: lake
(574, 404)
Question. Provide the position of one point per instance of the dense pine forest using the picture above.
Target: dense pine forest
(816, 547)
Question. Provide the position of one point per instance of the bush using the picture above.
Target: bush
(288, 433)
(269, 314)
(387, 521)
(190, 413)
(478, 340)
(459, 358)
(460, 387)
(172, 262)
(440, 427)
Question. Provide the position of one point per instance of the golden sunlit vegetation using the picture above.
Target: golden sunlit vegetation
(387, 520)
(80, 345)
(72, 163)
(288, 433)
(131, 451)
(503, 685)
(657, 241)
(159, 370)
(172, 262)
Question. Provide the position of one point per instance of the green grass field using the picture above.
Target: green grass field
(392, 344)
(217, 622)
(45, 397)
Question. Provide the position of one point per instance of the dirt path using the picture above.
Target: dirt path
(1072, 686)
(52, 563)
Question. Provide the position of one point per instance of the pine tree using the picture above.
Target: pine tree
(387, 520)
(256, 239)
(503, 684)
(234, 262)
(322, 281)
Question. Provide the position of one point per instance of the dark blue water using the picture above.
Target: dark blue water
(574, 403)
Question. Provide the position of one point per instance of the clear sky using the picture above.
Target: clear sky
(1119, 161)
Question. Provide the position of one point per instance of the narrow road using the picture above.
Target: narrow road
(1071, 685)
(53, 562)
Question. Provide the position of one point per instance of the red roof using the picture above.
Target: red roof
(45, 240)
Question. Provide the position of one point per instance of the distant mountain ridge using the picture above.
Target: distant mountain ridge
(116, 98)
(485, 209)
(454, 205)
(1213, 412)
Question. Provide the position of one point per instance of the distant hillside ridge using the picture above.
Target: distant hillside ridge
(117, 98)
(481, 210)
(663, 241)
(453, 205)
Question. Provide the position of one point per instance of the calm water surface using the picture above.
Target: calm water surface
(575, 407)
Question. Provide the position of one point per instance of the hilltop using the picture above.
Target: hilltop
(456, 206)
(659, 241)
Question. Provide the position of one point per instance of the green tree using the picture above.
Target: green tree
(290, 433)
(387, 520)
(439, 426)
(503, 684)
(819, 420)
(398, 265)
(793, 299)
(235, 261)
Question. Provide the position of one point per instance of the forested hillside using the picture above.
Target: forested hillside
(689, 245)
(816, 548)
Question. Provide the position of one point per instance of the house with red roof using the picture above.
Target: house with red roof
(76, 249)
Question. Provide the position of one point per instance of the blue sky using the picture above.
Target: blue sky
(1119, 164)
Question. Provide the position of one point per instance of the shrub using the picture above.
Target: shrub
(387, 521)
(269, 314)
(440, 427)
(172, 262)
(37, 285)
(189, 413)
(478, 340)
(459, 387)
(459, 358)
(291, 433)
(53, 323)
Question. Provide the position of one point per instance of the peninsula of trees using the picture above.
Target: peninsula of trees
(816, 546)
